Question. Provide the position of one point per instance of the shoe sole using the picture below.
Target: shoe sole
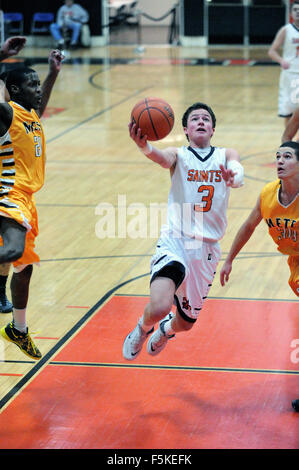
(5, 336)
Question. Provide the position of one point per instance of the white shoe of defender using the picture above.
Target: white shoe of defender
(134, 342)
(158, 340)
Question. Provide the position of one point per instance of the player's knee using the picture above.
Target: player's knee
(184, 324)
(11, 254)
(21, 279)
(26, 273)
(159, 309)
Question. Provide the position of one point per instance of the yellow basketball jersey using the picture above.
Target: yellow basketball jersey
(22, 153)
(282, 221)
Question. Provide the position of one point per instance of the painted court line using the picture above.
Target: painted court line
(61, 342)
(45, 337)
(220, 298)
(77, 306)
(47, 358)
(174, 367)
(12, 375)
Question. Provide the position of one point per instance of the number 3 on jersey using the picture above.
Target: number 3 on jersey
(38, 145)
(206, 199)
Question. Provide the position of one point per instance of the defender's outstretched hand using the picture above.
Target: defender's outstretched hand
(55, 59)
(12, 46)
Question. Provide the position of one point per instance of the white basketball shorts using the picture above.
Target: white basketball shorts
(200, 263)
(288, 96)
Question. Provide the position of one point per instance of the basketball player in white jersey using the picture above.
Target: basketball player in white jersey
(288, 39)
(187, 253)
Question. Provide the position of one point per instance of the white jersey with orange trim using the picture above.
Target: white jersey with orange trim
(291, 47)
(198, 196)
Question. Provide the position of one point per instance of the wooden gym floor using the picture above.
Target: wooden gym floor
(227, 384)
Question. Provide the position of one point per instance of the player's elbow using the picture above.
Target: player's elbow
(165, 164)
(167, 161)
(271, 53)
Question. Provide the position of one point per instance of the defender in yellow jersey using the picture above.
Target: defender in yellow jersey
(11, 47)
(278, 205)
(290, 133)
(22, 167)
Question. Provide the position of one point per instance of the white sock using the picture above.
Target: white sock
(19, 319)
(168, 328)
(145, 328)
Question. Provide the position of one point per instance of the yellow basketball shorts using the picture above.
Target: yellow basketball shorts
(293, 262)
(21, 207)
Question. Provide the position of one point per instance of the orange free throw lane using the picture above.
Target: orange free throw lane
(228, 333)
(114, 404)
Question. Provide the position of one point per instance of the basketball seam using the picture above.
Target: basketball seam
(150, 117)
(164, 114)
(155, 109)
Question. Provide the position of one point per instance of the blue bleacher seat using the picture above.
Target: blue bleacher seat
(14, 23)
(41, 22)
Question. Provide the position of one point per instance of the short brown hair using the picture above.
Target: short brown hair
(195, 106)
(293, 145)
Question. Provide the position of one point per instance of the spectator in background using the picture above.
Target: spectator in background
(288, 39)
(69, 16)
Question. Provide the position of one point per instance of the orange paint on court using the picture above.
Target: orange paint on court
(226, 384)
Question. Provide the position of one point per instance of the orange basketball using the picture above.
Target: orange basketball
(154, 116)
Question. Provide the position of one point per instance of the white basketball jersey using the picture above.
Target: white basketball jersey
(291, 47)
(198, 195)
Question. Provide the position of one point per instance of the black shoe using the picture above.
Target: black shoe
(5, 305)
(295, 404)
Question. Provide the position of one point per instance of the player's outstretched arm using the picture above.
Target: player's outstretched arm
(240, 240)
(55, 60)
(291, 127)
(166, 158)
(5, 109)
(12, 46)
